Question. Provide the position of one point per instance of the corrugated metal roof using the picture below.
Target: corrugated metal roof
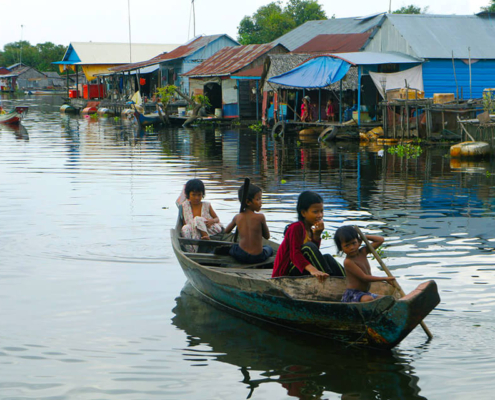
(339, 43)
(230, 60)
(436, 36)
(251, 72)
(180, 52)
(372, 58)
(116, 53)
(307, 31)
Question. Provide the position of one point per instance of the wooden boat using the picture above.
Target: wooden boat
(14, 116)
(147, 119)
(44, 92)
(239, 342)
(302, 303)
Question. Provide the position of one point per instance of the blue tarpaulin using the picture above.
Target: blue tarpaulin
(316, 73)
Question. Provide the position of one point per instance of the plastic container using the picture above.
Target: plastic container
(410, 94)
(73, 94)
(441, 98)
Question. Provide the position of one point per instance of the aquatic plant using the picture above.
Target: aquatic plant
(488, 102)
(235, 123)
(116, 119)
(149, 128)
(94, 116)
(257, 127)
(408, 150)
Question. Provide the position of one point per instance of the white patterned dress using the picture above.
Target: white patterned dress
(192, 225)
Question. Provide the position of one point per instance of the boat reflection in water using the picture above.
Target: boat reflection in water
(18, 130)
(305, 366)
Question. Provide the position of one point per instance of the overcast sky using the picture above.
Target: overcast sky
(165, 21)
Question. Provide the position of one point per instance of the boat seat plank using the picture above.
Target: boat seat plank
(226, 261)
(212, 243)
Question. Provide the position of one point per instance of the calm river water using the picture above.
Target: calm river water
(94, 304)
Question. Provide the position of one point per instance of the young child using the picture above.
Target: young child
(306, 109)
(252, 229)
(330, 111)
(299, 252)
(199, 218)
(357, 267)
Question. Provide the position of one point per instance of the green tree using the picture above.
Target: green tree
(40, 56)
(411, 9)
(489, 7)
(302, 11)
(272, 21)
(268, 23)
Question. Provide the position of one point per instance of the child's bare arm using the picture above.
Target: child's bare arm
(264, 228)
(375, 241)
(321, 276)
(352, 268)
(214, 218)
(231, 225)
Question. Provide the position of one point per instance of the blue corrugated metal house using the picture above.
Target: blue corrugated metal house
(183, 59)
(435, 38)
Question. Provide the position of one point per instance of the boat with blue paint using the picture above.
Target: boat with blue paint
(303, 304)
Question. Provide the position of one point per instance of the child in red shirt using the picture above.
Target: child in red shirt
(299, 252)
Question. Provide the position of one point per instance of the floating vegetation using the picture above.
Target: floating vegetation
(257, 127)
(406, 150)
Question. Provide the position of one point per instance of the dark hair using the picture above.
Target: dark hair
(252, 190)
(194, 185)
(305, 200)
(345, 234)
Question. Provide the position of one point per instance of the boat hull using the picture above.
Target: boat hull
(382, 323)
(11, 118)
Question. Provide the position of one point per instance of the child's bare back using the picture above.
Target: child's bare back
(252, 229)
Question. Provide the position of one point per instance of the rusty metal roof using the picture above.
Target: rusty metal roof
(250, 73)
(180, 52)
(310, 29)
(230, 60)
(334, 43)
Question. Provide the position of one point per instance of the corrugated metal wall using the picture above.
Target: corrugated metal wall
(438, 77)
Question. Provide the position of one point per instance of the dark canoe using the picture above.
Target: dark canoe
(303, 303)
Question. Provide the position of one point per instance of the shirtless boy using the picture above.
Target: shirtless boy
(252, 229)
(357, 267)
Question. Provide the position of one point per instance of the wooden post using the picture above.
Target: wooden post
(394, 122)
(257, 102)
(359, 96)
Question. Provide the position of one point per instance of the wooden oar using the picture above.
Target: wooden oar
(243, 203)
(387, 271)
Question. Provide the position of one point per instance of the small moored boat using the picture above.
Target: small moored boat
(302, 303)
(14, 116)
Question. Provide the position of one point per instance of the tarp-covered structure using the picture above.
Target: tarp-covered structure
(315, 73)
(324, 70)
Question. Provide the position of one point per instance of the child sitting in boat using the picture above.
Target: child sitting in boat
(357, 267)
(199, 219)
(252, 228)
(299, 252)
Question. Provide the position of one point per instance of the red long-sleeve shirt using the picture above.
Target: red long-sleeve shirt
(290, 250)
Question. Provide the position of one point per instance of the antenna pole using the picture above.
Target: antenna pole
(20, 45)
(194, 19)
(129, 12)
(390, 7)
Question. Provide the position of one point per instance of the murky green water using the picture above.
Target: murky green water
(92, 299)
